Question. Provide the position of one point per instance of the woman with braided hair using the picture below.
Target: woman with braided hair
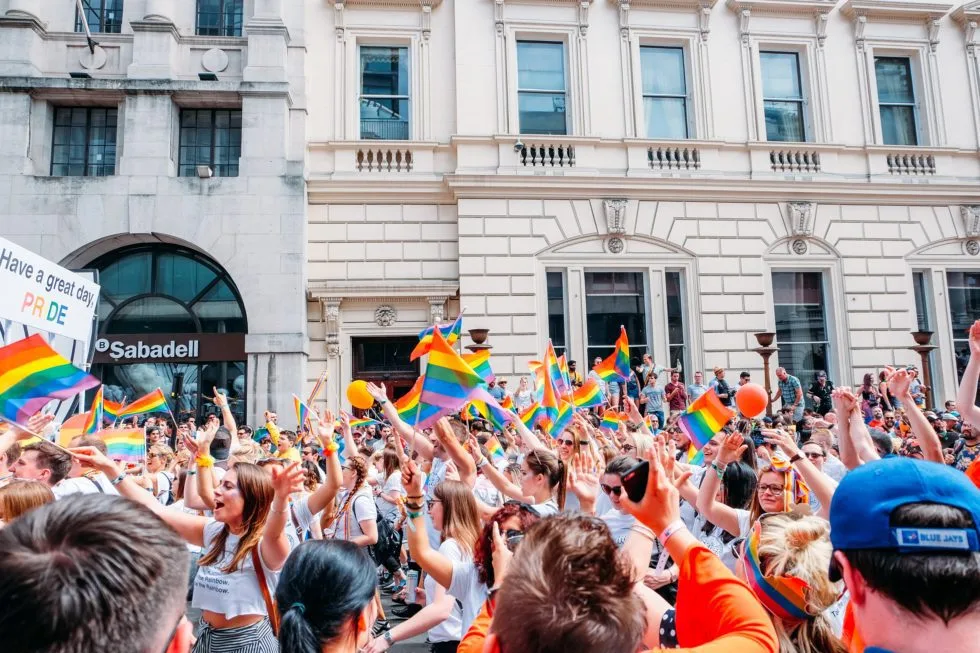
(355, 520)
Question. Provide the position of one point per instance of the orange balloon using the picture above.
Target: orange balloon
(751, 399)
(358, 395)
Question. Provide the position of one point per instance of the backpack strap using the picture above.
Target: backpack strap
(270, 606)
(95, 483)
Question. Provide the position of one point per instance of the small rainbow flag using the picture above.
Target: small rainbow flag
(589, 395)
(448, 381)
(532, 415)
(617, 366)
(317, 386)
(695, 456)
(565, 413)
(125, 444)
(611, 420)
(302, 412)
(563, 367)
(71, 428)
(494, 449)
(410, 412)
(361, 422)
(94, 420)
(558, 378)
(153, 402)
(704, 417)
(549, 399)
(480, 362)
(507, 403)
(111, 410)
(32, 374)
(488, 407)
(449, 332)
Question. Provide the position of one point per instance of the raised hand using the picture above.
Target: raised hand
(219, 399)
(378, 392)
(899, 381)
(975, 339)
(288, 480)
(731, 448)
(632, 411)
(412, 478)
(94, 459)
(783, 439)
(582, 479)
(844, 401)
(502, 555)
(660, 505)
(326, 426)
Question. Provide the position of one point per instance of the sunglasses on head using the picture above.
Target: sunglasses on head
(617, 490)
(513, 538)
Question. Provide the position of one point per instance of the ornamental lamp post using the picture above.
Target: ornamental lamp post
(766, 350)
(923, 349)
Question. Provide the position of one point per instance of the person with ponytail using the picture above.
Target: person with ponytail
(355, 520)
(784, 561)
(326, 597)
(543, 481)
(245, 546)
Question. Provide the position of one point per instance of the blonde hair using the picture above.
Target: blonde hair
(162, 451)
(248, 451)
(23, 496)
(461, 519)
(798, 545)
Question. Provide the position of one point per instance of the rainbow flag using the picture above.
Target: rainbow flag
(32, 374)
(532, 415)
(617, 366)
(449, 332)
(611, 420)
(302, 412)
(488, 407)
(540, 376)
(695, 456)
(704, 417)
(494, 449)
(783, 596)
(410, 413)
(558, 378)
(448, 381)
(94, 421)
(111, 410)
(317, 386)
(361, 422)
(480, 362)
(795, 489)
(125, 444)
(589, 395)
(507, 403)
(565, 413)
(153, 402)
(71, 428)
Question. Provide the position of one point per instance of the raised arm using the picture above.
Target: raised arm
(822, 485)
(416, 441)
(190, 527)
(463, 460)
(221, 401)
(35, 425)
(967, 393)
(275, 546)
(437, 565)
(529, 439)
(634, 415)
(349, 444)
(328, 490)
(900, 385)
(501, 482)
(713, 510)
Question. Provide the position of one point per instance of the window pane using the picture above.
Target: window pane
(964, 300)
(803, 361)
(126, 277)
(894, 77)
(219, 311)
(666, 117)
(181, 277)
(663, 71)
(898, 125)
(784, 121)
(152, 315)
(613, 299)
(922, 310)
(540, 66)
(675, 309)
(556, 310)
(212, 138)
(801, 327)
(384, 71)
(780, 75)
(385, 119)
(542, 113)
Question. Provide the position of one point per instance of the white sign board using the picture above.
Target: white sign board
(41, 294)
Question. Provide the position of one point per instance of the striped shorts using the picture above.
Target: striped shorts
(257, 638)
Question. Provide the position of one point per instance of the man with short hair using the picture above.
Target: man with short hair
(906, 538)
(114, 580)
(286, 449)
(791, 393)
(496, 391)
(574, 376)
(721, 387)
(42, 461)
(675, 394)
(84, 480)
(698, 388)
(820, 392)
(967, 448)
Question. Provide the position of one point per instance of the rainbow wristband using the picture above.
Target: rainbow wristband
(330, 449)
(671, 529)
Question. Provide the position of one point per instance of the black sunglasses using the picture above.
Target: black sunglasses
(569, 443)
(513, 538)
(618, 490)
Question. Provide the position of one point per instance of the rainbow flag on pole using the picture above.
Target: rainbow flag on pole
(71, 428)
(153, 402)
(532, 415)
(565, 413)
(408, 407)
(559, 379)
(125, 444)
(302, 412)
(111, 410)
(494, 448)
(611, 420)
(705, 417)
(449, 332)
(448, 381)
(617, 366)
(361, 422)
(93, 422)
(589, 395)
(488, 407)
(480, 362)
(32, 374)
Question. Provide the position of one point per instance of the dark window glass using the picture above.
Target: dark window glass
(613, 299)
(556, 311)
(152, 315)
(210, 137)
(801, 325)
(922, 309)
(103, 16)
(676, 321)
(541, 87)
(964, 306)
(127, 277)
(896, 101)
(385, 96)
(782, 93)
(219, 17)
(83, 143)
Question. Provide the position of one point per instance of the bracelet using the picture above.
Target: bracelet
(191, 472)
(482, 463)
(279, 512)
(418, 507)
(671, 530)
(204, 461)
(795, 458)
(414, 515)
(719, 469)
(119, 479)
(417, 496)
(330, 449)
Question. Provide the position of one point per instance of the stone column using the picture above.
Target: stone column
(25, 9)
(15, 125)
(267, 40)
(148, 124)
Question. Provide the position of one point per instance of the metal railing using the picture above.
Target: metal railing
(384, 129)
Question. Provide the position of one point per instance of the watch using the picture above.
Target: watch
(387, 636)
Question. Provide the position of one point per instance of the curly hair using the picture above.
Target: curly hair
(483, 552)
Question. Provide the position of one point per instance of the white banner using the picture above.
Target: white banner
(41, 294)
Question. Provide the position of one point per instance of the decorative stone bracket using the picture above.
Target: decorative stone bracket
(615, 211)
(970, 214)
(801, 216)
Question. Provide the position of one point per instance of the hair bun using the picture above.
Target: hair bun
(800, 533)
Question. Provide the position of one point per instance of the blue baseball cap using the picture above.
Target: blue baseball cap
(861, 510)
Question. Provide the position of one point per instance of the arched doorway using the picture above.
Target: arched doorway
(170, 317)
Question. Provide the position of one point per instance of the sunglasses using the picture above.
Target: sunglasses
(814, 455)
(609, 489)
(569, 443)
(628, 447)
(513, 538)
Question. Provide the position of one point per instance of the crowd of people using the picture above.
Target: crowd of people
(847, 521)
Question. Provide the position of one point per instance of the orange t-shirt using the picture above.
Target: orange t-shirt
(716, 612)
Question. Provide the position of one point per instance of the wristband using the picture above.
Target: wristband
(119, 479)
(388, 638)
(417, 496)
(671, 529)
(414, 515)
(204, 461)
(191, 472)
(795, 458)
(719, 469)
(330, 449)
(482, 463)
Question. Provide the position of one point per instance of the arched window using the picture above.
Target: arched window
(166, 289)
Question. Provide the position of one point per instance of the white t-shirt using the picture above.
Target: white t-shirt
(546, 509)
(164, 484)
(466, 587)
(361, 509)
(689, 512)
(235, 593)
(91, 484)
(392, 486)
(715, 540)
(486, 492)
(451, 629)
(619, 524)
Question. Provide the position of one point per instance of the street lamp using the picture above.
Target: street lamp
(923, 349)
(766, 350)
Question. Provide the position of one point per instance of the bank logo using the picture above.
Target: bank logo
(140, 350)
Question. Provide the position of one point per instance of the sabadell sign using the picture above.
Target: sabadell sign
(169, 348)
(117, 349)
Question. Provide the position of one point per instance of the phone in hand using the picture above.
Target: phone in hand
(635, 480)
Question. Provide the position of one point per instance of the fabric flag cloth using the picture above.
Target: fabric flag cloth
(507, 403)
(695, 456)
(71, 428)
(538, 369)
(589, 395)
(495, 450)
(361, 422)
(558, 379)
(410, 413)
(125, 444)
(316, 387)
(111, 410)
(617, 366)
(795, 489)
(480, 362)
(449, 332)
(153, 402)
(302, 412)
(95, 418)
(32, 374)
(448, 381)
(783, 596)
(532, 415)
(563, 367)
(704, 417)
(488, 407)
(565, 413)
(611, 420)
